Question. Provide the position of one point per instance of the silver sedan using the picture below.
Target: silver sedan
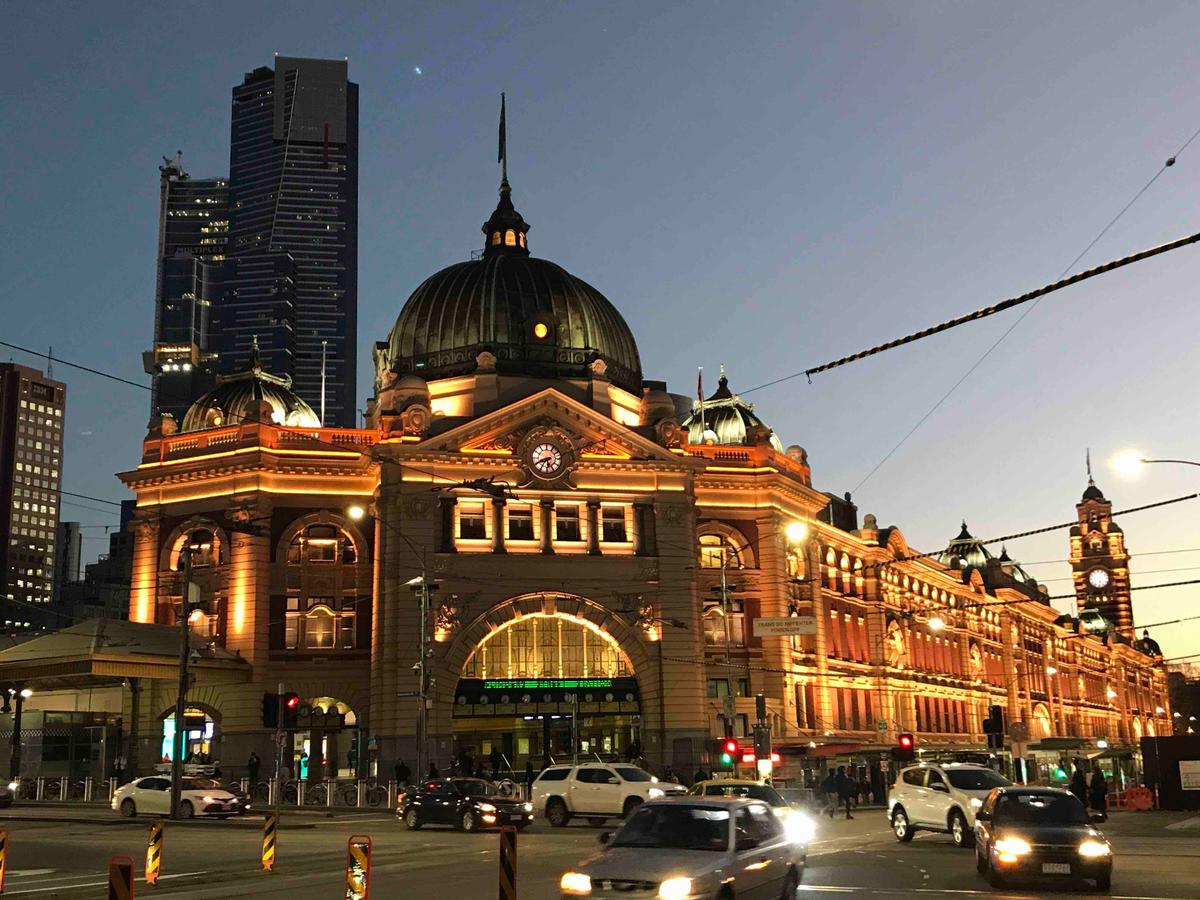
(694, 847)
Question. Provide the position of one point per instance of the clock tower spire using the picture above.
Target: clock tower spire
(1099, 560)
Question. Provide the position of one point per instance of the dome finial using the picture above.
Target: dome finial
(504, 232)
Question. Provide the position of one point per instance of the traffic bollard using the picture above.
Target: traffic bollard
(87, 789)
(270, 828)
(508, 863)
(120, 878)
(154, 848)
(330, 790)
(358, 867)
(3, 858)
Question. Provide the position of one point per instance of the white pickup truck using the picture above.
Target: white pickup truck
(595, 791)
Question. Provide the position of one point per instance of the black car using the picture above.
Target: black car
(1040, 833)
(466, 803)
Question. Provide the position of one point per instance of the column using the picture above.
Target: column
(498, 525)
(143, 587)
(446, 537)
(593, 527)
(546, 508)
(821, 696)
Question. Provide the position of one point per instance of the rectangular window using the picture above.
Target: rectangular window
(291, 630)
(318, 631)
(471, 522)
(718, 687)
(520, 523)
(567, 524)
(613, 525)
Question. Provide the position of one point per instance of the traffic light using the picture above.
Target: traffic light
(289, 709)
(905, 749)
(728, 752)
(993, 727)
(762, 741)
(270, 710)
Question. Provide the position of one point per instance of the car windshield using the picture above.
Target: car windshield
(474, 787)
(976, 779)
(632, 773)
(1040, 809)
(675, 828)
(763, 792)
(200, 784)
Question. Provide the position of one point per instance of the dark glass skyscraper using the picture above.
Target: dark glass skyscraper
(292, 273)
(192, 231)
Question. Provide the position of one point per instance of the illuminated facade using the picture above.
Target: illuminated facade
(611, 567)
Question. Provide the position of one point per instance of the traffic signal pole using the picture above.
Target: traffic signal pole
(278, 749)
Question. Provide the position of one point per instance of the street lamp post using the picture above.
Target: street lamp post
(185, 558)
(18, 698)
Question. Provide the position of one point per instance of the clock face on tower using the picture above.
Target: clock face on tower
(546, 459)
(1098, 579)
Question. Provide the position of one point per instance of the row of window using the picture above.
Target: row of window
(510, 238)
(42, 408)
(522, 522)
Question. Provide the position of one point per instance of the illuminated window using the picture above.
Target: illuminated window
(470, 521)
(544, 646)
(316, 624)
(521, 238)
(203, 547)
(540, 330)
(717, 552)
(495, 239)
(322, 544)
(510, 238)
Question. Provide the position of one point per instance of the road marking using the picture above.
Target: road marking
(64, 887)
(30, 873)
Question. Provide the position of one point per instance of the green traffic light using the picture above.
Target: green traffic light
(1060, 774)
(726, 759)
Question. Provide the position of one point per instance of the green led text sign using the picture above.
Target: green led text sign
(540, 684)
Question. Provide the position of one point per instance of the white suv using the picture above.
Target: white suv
(596, 791)
(941, 798)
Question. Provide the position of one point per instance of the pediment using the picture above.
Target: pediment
(593, 436)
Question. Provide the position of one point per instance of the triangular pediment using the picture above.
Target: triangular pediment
(594, 435)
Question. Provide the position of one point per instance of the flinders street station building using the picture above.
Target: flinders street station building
(577, 561)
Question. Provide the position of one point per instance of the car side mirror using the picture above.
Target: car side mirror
(745, 843)
(613, 779)
(604, 837)
(940, 787)
(1099, 817)
(982, 816)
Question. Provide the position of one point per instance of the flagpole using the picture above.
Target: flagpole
(700, 397)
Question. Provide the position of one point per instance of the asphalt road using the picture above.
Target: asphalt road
(68, 858)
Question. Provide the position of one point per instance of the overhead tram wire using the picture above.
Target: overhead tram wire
(82, 368)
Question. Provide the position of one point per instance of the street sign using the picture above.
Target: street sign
(785, 626)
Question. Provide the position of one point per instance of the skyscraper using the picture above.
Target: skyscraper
(68, 557)
(32, 407)
(193, 228)
(292, 278)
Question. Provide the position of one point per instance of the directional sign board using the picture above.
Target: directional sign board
(785, 626)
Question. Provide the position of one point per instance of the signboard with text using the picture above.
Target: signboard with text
(1189, 774)
(785, 626)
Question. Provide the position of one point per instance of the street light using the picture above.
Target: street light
(795, 531)
(356, 512)
(1129, 463)
(1050, 670)
(937, 623)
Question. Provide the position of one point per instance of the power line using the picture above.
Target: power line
(82, 368)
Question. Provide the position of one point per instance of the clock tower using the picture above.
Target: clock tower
(1100, 562)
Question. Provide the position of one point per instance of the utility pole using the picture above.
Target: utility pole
(422, 591)
(279, 740)
(185, 558)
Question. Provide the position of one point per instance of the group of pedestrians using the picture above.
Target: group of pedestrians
(840, 790)
(1092, 792)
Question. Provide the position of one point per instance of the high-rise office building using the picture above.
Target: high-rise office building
(193, 228)
(68, 556)
(292, 274)
(32, 408)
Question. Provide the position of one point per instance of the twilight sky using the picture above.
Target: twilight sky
(764, 185)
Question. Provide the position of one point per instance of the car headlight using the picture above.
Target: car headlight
(13, 785)
(1092, 849)
(1010, 849)
(976, 803)
(801, 829)
(655, 792)
(675, 888)
(528, 807)
(486, 807)
(575, 883)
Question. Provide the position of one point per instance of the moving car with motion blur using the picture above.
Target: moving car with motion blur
(1039, 833)
(469, 804)
(693, 847)
(8, 793)
(197, 797)
(799, 824)
(940, 798)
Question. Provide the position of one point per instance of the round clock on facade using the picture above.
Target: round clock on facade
(1098, 579)
(546, 459)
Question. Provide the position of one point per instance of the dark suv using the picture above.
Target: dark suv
(466, 803)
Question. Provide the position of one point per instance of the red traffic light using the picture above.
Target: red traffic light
(906, 741)
(291, 701)
(731, 747)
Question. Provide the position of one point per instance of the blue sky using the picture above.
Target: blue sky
(761, 185)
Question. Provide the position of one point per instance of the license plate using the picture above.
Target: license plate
(1056, 868)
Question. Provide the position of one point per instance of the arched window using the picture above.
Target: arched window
(719, 552)
(203, 546)
(521, 238)
(510, 238)
(495, 239)
(322, 543)
(548, 646)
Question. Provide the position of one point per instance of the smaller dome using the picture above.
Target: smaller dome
(1092, 492)
(725, 418)
(250, 396)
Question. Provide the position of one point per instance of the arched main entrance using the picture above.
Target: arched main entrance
(545, 679)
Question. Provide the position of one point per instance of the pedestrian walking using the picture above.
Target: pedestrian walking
(433, 772)
(401, 771)
(845, 789)
(120, 764)
(496, 758)
(829, 789)
(1079, 785)
(1099, 791)
(252, 767)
